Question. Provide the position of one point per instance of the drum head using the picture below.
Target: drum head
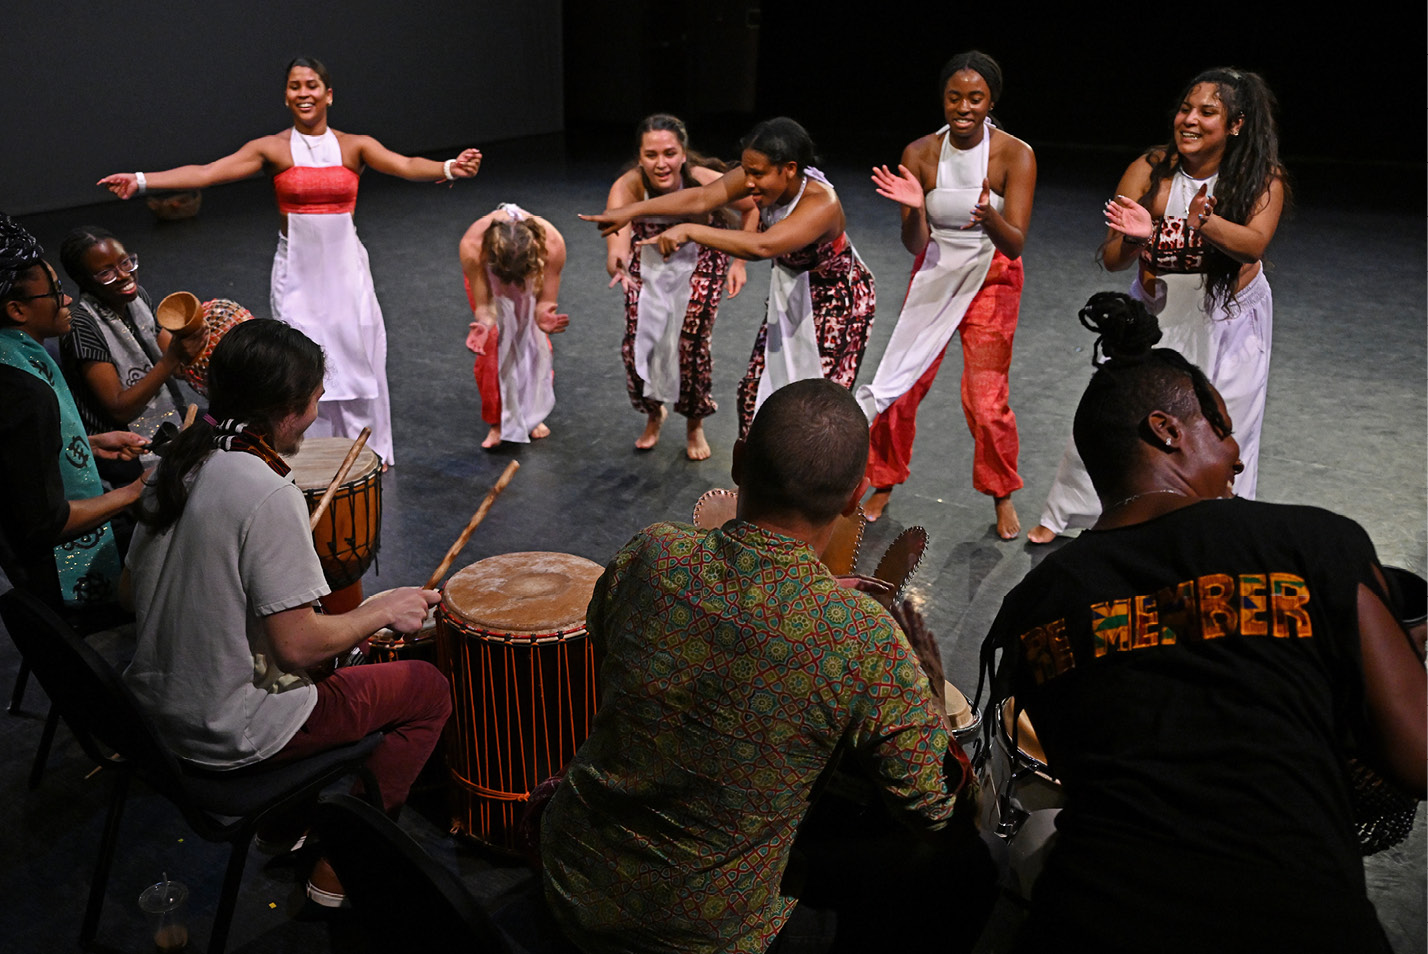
(523, 594)
(316, 462)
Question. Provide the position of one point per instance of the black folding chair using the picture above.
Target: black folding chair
(114, 731)
(405, 898)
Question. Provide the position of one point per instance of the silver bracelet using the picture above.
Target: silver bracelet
(143, 183)
(446, 170)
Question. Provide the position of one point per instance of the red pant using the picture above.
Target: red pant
(986, 331)
(488, 381)
(408, 701)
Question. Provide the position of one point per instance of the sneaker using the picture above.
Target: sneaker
(323, 887)
(281, 843)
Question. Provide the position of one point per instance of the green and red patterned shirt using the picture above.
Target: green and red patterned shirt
(733, 665)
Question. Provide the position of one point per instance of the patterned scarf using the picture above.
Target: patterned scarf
(233, 435)
(89, 564)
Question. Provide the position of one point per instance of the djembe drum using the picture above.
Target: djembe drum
(350, 531)
(511, 636)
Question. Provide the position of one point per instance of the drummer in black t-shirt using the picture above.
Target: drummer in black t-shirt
(1198, 670)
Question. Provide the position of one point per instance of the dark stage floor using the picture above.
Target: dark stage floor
(1346, 428)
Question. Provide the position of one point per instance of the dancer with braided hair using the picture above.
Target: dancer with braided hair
(1196, 216)
(1198, 670)
(670, 303)
(511, 261)
(322, 284)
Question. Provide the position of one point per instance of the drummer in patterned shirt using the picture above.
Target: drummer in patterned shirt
(736, 671)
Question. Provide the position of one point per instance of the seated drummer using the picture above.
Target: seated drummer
(735, 672)
(56, 540)
(225, 577)
(1198, 668)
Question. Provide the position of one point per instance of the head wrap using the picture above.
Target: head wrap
(19, 252)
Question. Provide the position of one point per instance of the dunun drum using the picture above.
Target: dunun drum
(349, 533)
(511, 635)
(388, 645)
(1022, 798)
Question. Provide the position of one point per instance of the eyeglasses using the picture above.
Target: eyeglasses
(127, 265)
(56, 292)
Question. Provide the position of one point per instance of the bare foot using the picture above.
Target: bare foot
(696, 447)
(650, 437)
(1040, 534)
(875, 505)
(1008, 526)
(540, 431)
(493, 439)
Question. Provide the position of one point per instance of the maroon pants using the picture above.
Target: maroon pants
(407, 701)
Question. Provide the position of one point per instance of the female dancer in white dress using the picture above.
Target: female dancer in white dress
(821, 295)
(511, 261)
(966, 194)
(1197, 215)
(670, 303)
(321, 283)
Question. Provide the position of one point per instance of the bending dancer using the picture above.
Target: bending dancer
(966, 194)
(670, 303)
(511, 261)
(119, 364)
(321, 282)
(1174, 656)
(1197, 215)
(821, 295)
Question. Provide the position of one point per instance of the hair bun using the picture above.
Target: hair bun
(1125, 330)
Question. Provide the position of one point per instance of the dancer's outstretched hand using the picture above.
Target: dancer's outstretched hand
(903, 188)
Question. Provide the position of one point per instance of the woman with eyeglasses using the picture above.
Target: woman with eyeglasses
(119, 364)
(321, 284)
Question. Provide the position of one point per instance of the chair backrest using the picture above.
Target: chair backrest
(86, 690)
(716, 507)
(406, 897)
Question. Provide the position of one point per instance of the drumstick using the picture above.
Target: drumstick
(189, 416)
(476, 519)
(338, 478)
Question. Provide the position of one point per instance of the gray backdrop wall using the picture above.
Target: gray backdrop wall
(91, 89)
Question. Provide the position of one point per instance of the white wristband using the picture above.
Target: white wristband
(446, 170)
(143, 183)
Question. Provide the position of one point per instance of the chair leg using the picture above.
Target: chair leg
(228, 899)
(107, 844)
(17, 695)
(42, 751)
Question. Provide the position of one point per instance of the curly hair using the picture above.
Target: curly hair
(1250, 164)
(515, 251)
(1132, 379)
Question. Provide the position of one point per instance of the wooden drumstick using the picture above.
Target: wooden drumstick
(189, 417)
(338, 478)
(476, 519)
